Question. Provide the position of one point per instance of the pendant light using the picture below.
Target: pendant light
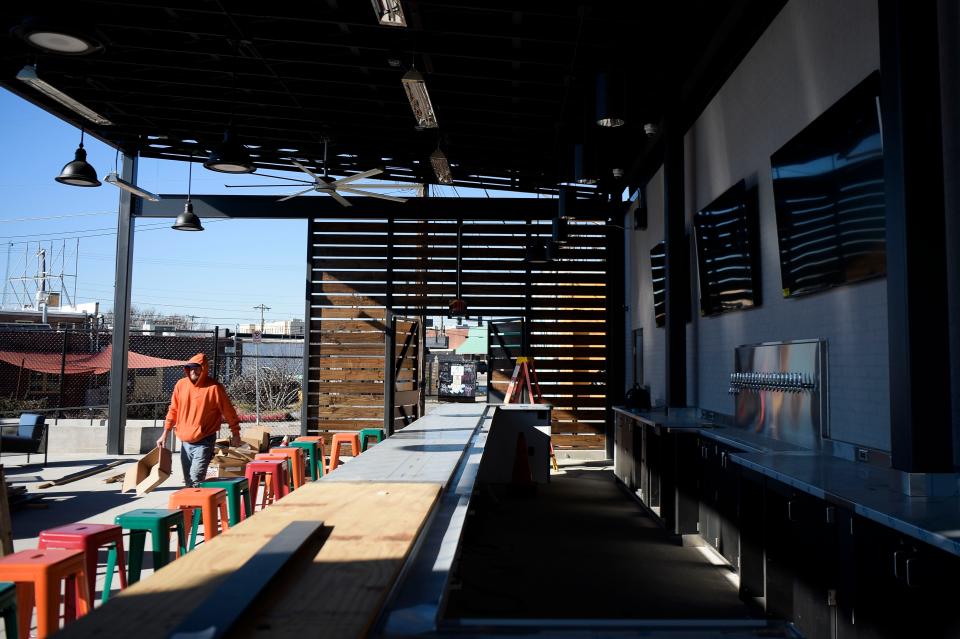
(78, 172)
(536, 253)
(458, 308)
(611, 102)
(230, 156)
(188, 220)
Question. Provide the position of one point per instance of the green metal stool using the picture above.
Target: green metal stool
(158, 523)
(237, 488)
(313, 458)
(370, 432)
(8, 607)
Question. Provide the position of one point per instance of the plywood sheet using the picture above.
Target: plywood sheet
(338, 594)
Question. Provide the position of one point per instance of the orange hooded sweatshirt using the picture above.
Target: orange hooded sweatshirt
(197, 410)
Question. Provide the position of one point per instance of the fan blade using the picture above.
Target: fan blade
(290, 197)
(339, 198)
(282, 177)
(358, 176)
(252, 186)
(304, 169)
(379, 196)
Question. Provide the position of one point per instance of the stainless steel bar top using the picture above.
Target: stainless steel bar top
(872, 492)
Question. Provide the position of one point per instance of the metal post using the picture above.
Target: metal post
(677, 267)
(307, 314)
(389, 377)
(917, 296)
(129, 206)
(216, 350)
(616, 367)
(256, 376)
(63, 371)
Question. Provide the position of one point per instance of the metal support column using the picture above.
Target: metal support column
(917, 303)
(305, 377)
(389, 370)
(616, 360)
(129, 205)
(677, 267)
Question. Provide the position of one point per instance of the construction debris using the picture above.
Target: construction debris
(83, 474)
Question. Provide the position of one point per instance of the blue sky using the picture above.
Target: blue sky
(218, 275)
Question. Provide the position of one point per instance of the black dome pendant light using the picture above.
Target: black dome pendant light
(230, 156)
(188, 220)
(78, 172)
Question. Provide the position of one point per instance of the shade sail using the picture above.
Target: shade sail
(75, 363)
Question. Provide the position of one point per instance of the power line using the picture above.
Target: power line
(56, 217)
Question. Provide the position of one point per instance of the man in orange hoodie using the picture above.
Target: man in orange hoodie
(197, 408)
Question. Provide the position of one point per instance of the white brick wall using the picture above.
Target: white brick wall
(811, 55)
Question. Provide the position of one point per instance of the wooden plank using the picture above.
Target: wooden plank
(332, 349)
(579, 442)
(347, 362)
(358, 374)
(346, 413)
(348, 326)
(327, 400)
(348, 388)
(407, 398)
(337, 594)
(489, 265)
(449, 288)
(562, 427)
(347, 313)
(343, 338)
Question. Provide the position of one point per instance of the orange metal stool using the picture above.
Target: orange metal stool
(212, 503)
(339, 439)
(38, 574)
(319, 440)
(298, 462)
(274, 473)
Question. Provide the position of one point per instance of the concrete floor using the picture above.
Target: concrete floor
(581, 547)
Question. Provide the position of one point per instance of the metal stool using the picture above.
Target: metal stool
(90, 538)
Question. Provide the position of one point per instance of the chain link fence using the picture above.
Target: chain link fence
(66, 373)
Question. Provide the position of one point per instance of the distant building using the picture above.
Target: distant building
(64, 317)
(291, 327)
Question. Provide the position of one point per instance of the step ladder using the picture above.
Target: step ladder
(525, 376)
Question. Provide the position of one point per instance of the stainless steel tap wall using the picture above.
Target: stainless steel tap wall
(780, 390)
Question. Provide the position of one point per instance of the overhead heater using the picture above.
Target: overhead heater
(389, 13)
(28, 75)
(416, 89)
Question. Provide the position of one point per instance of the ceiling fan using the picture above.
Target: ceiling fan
(332, 187)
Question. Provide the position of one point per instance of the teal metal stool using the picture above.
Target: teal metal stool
(237, 488)
(313, 458)
(158, 523)
(370, 432)
(8, 607)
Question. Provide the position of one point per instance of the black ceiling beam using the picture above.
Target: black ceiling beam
(267, 207)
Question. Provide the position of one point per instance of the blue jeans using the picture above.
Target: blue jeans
(195, 457)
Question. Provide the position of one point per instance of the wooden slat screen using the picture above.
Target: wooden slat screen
(359, 267)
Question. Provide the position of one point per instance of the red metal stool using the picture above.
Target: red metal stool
(274, 473)
(288, 465)
(38, 574)
(90, 538)
(339, 439)
(212, 503)
(319, 440)
(298, 462)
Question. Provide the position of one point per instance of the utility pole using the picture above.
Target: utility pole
(262, 308)
(256, 341)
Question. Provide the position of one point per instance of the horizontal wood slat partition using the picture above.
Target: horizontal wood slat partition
(362, 267)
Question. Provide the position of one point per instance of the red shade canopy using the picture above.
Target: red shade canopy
(95, 363)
